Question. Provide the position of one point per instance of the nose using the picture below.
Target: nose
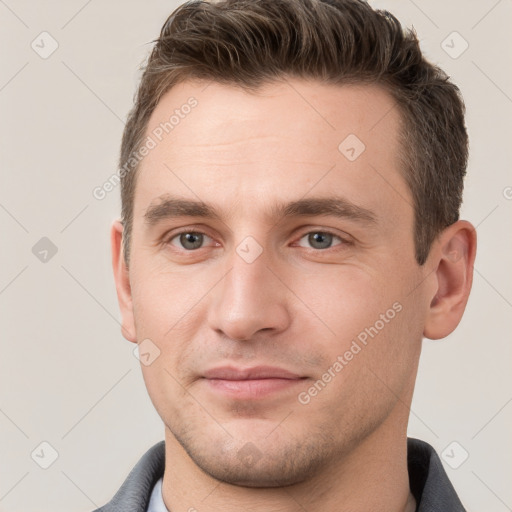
(250, 300)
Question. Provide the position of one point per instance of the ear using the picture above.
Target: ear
(122, 280)
(454, 257)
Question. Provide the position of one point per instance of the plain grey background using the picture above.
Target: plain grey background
(67, 377)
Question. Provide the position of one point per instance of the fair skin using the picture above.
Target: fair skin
(244, 440)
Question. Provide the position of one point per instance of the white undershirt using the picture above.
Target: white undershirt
(156, 502)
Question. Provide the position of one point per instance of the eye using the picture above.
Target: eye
(189, 240)
(320, 239)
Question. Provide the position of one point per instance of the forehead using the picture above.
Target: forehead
(287, 138)
(289, 108)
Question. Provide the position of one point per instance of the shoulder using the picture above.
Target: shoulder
(428, 480)
(135, 492)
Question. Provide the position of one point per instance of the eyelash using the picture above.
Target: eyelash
(344, 241)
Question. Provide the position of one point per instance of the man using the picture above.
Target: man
(292, 174)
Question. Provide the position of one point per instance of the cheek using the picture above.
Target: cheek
(363, 322)
(164, 300)
(345, 301)
(169, 310)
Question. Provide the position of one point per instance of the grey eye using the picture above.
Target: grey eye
(189, 240)
(320, 239)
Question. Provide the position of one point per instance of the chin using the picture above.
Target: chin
(279, 474)
(262, 464)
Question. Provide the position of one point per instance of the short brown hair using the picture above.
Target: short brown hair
(252, 42)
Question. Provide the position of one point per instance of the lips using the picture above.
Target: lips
(255, 373)
(250, 383)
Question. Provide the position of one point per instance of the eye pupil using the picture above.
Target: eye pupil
(323, 239)
(191, 240)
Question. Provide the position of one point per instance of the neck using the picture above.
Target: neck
(372, 476)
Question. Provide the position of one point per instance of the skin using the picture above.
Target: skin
(298, 306)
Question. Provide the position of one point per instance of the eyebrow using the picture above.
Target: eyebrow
(171, 207)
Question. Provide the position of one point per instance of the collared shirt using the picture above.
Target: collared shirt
(156, 502)
(428, 481)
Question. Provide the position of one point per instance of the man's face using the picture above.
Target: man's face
(253, 308)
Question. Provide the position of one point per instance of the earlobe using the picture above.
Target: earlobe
(454, 260)
(122, 281)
